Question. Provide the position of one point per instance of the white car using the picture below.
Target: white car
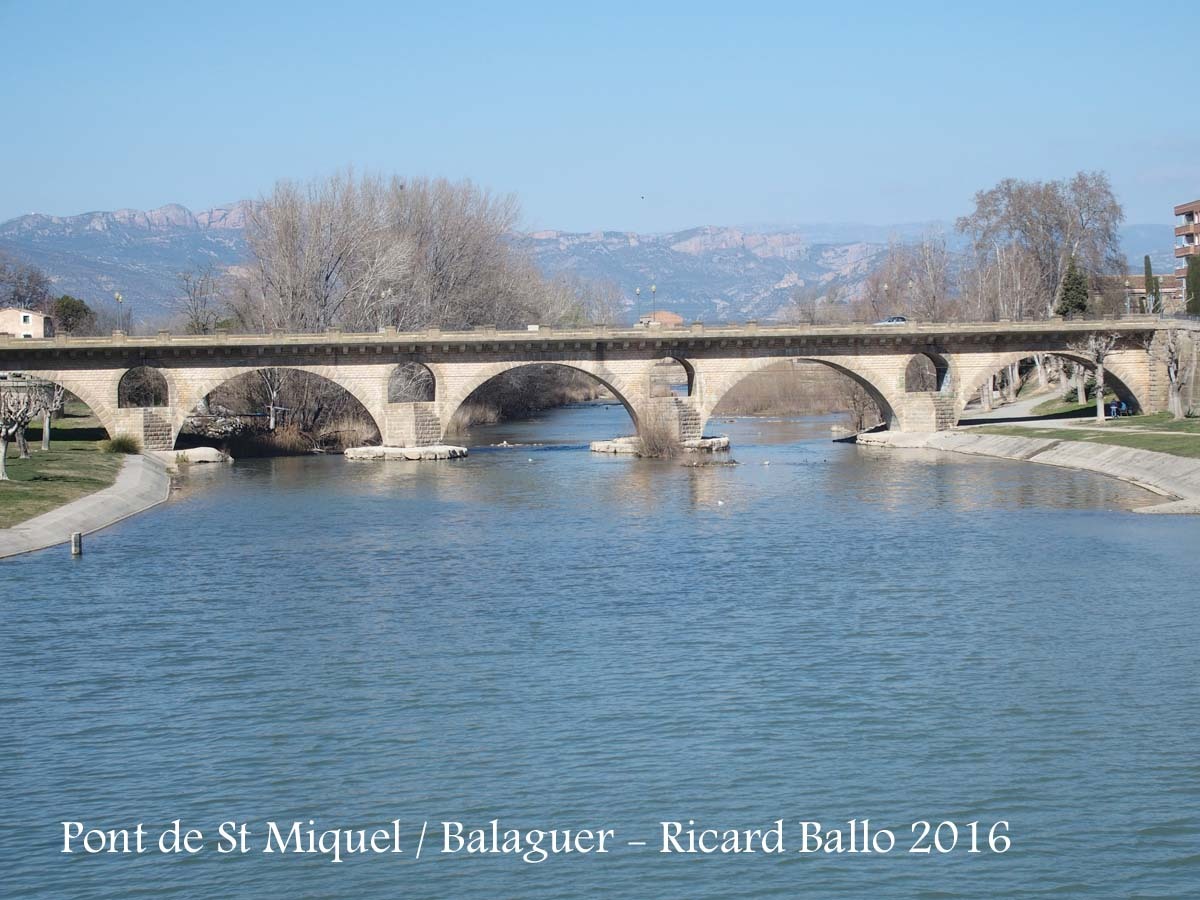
(893, 320)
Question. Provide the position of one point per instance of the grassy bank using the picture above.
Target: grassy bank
(1175, 444)
(73, 467)
(1161, 422)
(1056, 406)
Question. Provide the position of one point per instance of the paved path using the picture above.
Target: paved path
(1014, 410)
(143, 482)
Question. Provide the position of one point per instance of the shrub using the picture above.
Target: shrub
(122, 443)
(656, 437)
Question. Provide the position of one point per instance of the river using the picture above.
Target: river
(558, 639)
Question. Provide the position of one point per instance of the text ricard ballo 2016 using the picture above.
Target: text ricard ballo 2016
(494, 839)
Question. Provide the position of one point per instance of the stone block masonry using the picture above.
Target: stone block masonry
(879, 358)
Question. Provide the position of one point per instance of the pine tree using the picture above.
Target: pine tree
(1153, 303)
(1074, 299)
(1192, 285)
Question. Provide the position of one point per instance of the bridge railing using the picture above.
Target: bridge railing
(491, 334)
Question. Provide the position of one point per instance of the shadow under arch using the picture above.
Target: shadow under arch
(268, 375)
(455, 407)
(1112, 379)
(887, 413)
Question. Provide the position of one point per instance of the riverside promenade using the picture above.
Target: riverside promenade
(142, 483)
(1175, 477)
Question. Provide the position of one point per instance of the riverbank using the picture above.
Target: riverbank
(1175, 477)
(74, 466)
(141, 483)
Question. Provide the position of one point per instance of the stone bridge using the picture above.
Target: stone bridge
(452, 364)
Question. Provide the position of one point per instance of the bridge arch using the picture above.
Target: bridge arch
(192, 386)
(856, 369)
(689, 372)
(1117, 376)
(97, 391)
(143, 387)
(411, 382)
(626, 392)
(927, 371)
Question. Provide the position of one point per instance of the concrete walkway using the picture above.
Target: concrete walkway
(1015, 410)
(143, 482)
(1175, 477)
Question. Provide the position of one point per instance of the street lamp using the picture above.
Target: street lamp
(120, 311)
(1128, 298)
(638, 308)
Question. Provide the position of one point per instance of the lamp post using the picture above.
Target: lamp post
(1128, 298)
(121, 324)
(637, 312)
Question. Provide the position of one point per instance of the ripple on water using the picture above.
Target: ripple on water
(604, 641)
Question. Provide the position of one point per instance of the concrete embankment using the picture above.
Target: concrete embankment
(1172, 476)
(143, 482)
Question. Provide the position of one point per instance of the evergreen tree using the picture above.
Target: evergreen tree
(1074, 292)
(1153, 302)
(70, 313)
(1192, 285)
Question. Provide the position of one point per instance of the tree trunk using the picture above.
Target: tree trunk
(23, 444)
(1043, 381)
(1080, 384)
(1099, 393)
(3, 455)
(1175, 400)
(985, 395)
(46, 430)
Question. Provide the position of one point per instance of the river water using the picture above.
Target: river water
(557, 639)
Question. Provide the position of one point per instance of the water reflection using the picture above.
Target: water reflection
(554, 636)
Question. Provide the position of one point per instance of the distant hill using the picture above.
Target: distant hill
(137, 253)
(713, 274)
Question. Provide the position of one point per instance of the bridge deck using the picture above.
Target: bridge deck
(601, 334)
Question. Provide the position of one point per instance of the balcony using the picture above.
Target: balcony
(1192, 228)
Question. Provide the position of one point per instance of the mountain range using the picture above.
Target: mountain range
(712, 273)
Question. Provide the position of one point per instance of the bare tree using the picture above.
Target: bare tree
(1097, 348)
(1180, 365)
(272, 381)
(23, 285)
(50, 399)
(410, 383)
(915, 280)
(1051, 222)
(930, 282)
(324, 254)
(199, 301)
(18, 406)
(862, 409)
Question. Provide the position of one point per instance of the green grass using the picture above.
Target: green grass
(1161, 422)
(1056, 406)
(1173, 444)
(73, 467)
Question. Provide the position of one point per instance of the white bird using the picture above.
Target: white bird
(720, 503)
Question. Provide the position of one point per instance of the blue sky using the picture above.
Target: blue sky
(783, 112)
